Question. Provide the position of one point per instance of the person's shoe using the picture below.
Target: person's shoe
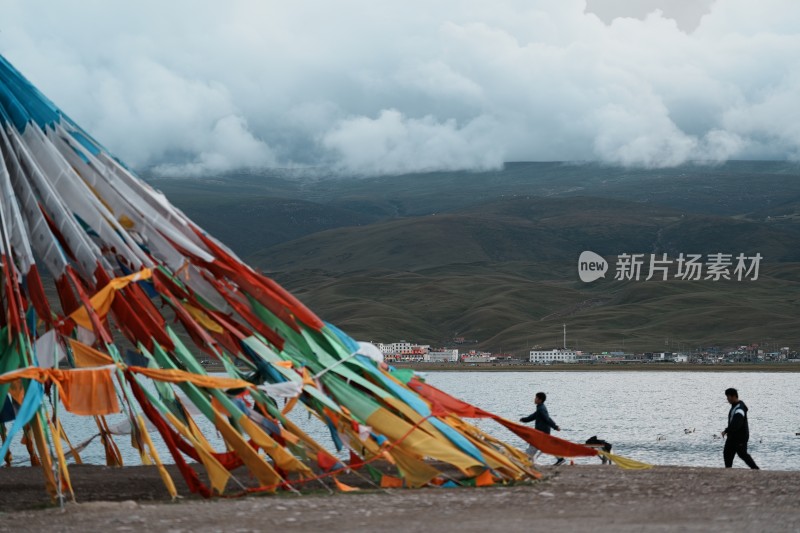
(559, 462)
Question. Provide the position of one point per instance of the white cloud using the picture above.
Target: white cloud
(393, 144)
(388, 87)
(229, 145)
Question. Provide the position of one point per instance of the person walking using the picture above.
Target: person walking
(542, 422)
(737, 432)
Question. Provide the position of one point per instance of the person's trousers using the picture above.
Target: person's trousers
(533, 452)
(739, 448)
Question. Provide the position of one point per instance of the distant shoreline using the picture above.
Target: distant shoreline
(605, 367)
(579, 367)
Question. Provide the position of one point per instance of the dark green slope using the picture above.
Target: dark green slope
(248, 224)
(498, 305)
(492, 256)
(505, 273)
(734, 188)
(528, 229)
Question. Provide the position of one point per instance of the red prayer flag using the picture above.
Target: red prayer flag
(325, 460)
(355, 461)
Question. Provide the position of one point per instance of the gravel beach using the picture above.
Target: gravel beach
(568, 498)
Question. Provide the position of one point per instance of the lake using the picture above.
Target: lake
(645, 415)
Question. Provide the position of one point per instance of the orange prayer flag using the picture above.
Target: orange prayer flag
(17, 391)
(289, 437)
(87, 392)
(217, 405)
(289, 405)
(388, 457)
(307, 378)
(86, 356)
(174, 375)
(389, 482)
(485, 479)
(330, 414)
(343, 487)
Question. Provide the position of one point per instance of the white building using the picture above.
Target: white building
(477, 357)
(552, 356)
(403, 351)
(401, 347)
(443, 356)
(395, 348)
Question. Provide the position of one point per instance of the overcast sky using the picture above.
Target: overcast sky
(370, 86)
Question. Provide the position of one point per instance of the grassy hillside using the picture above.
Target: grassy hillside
(251, 223)
(512, 306)
(527, 229)
(492, 256)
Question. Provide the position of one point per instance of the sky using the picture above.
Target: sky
(366, 87)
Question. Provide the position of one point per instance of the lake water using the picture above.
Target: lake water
(643, 414)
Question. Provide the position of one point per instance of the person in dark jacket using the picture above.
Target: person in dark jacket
(542, 422)
(737, 432)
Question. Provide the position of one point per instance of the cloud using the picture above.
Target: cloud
(686, 13)
(229, 145)
(393, 144)
(375, 87)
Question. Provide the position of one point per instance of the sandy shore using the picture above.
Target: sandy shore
(569, 498)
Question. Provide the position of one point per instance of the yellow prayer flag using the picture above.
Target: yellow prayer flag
(101, 301)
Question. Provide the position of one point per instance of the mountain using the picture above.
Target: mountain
(527, 229)
(512, 306)
(252, 223)
(493, 256)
